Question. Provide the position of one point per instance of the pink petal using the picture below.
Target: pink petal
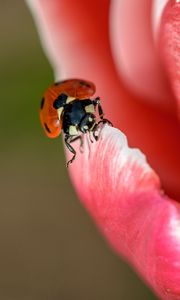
(114, 182)
(135, 51)
(157, 11)
(170, 44)
(123, 195)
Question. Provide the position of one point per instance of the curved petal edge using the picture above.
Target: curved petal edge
(123, 195)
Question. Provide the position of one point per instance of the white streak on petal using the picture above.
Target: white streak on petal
(157, 10)
(175, 226)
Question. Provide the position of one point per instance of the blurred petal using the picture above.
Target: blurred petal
(135, 52)
(123, 195)
(157, 11)
(170, 44)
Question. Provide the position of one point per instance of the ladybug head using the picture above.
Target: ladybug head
(88, 122)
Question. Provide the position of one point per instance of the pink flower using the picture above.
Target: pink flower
(131, 51)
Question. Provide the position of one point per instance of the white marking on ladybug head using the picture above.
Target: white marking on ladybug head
(90, 108)
(70, 99)
(73, 130)
(59, 111)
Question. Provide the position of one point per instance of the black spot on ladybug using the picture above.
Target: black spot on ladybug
(83, 83)
(47, 128)
(42, 103)
(60, 101)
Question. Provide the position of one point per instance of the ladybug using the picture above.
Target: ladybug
(67, 106)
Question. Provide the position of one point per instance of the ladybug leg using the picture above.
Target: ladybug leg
(96, 132)
(90, 137)
(100, 112)
(68, 140)
(97, 102)
(81, 144)
(105, 121)
(79, 137)
(97, 128)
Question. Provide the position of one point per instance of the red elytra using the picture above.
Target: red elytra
(49, 117)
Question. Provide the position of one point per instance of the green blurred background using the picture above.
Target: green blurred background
(49, 247)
